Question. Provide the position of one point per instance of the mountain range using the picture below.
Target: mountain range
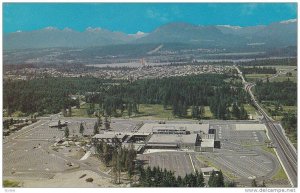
(275, 35)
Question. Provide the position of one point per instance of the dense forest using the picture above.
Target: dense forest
(289, 123)
(278, 94)
(156, 177)
(285, 93)
(47, 95)
(177, 92)
(50, 95)
(270, 62)
(258, 70)
(121, 159)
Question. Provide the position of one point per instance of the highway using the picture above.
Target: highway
(285, 152)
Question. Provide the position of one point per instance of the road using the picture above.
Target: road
(285, 152)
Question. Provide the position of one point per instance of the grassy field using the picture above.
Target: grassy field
(255, 77)
(81, 112)
(10, 183)
(148, 111)
(250, 110)
(285, 109)
(280, 175)
(283, 76)
(282, 68)
(208, 114)
(270, 150)
(155, 111)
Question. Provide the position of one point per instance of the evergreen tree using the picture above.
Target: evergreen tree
(196, 112)
(106, 123)
(114, 162)
(96, 128)
(66, 132)
(99, 121)
(184, 109)
(129, 109)
(175, 109)
(201, 112)
(211, 180)
(236, 110)
(199, 179)
(59, 124)
(253, 183)
(220, 180)
(179, 182)
(77, 103)
(243, 113)
(106, 155)
(230, 184)
(70, 111)
(263, 184)
(135, 108)
(81, 128)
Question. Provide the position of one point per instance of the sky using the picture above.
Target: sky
(132, 17)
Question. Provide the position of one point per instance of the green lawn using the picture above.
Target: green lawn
(154, 111)
(280, 175)
(81, 112)
(290, 108)
(268, 149)
(250, 110)
(149, 111)
(10, 183)
(255, 77)
(208, 114)
(283, 76)
(285, 109)
(280, 78)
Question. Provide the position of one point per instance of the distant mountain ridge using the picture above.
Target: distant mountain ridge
(278, 34)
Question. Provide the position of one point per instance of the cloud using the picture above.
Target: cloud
(152, 14)
(90, 29)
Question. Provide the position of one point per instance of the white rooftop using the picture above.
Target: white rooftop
(208, 169)
(108, 135)
(172, 139)
(193, 128)
(207, 143)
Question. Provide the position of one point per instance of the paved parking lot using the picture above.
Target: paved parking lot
(125, 125)
(242, 154)
(181, 163)
(26, 153)
(28, 157)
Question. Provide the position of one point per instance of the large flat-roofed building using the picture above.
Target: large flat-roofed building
(109, 137)
(166, 141)
(175, 128)
(207, 145)
(169, 130)
(173, 135)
